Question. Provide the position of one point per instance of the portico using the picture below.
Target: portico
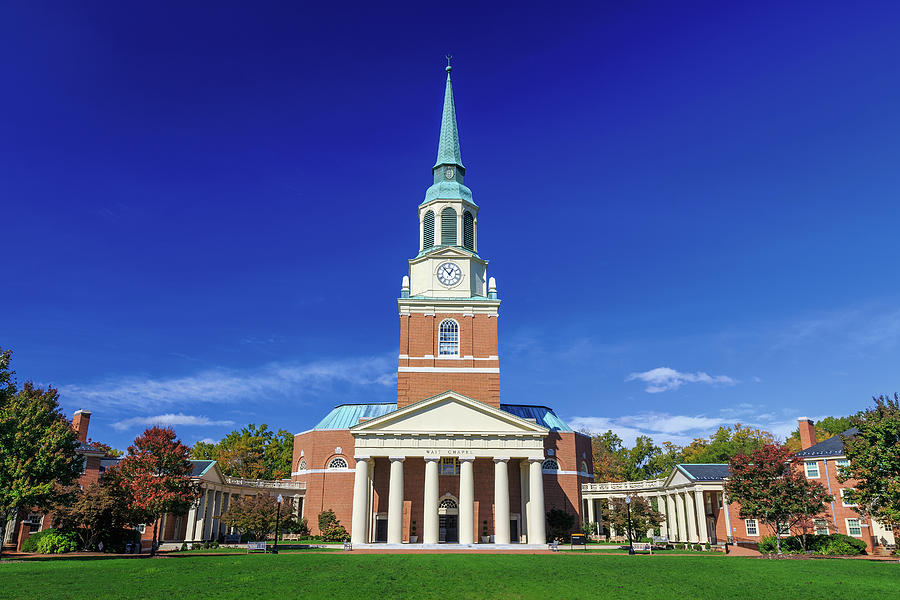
(449, 444)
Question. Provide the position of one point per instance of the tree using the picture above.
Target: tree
(253, 516)
(874, 454)
(330, 527)
(726, 443)
(770, 486)
(559, 524)
(251, 452)
(38, 458)
(825, 428)
(100, 511)
(607, 454)
(157, 471)
(643, 516)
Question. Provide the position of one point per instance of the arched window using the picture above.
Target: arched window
(448, 227)
(584, 467)
(550, 465)
(447, 503)
(337, 463)
(428, 230)
(448, 338)
(469, 231)
(302, 465)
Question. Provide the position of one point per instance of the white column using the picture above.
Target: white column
(661, 507)
(430, 516)
(525, 497)
(197, 531)
(501, 501)
(191, 523)
(537, 533)
(226, 500)
(612, 530)
(590, 511)
(690, 508)
(208, 514)
(682, 522)
(703, 534)
(215, 521)
(467, 500)
(360, 496)
(671, 517)
(395, 502)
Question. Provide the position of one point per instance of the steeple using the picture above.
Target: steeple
(448, 171)
(448, 144)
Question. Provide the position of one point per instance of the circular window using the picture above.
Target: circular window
(337, 463)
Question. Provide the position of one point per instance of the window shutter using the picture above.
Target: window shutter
(428, 226)
(448, 227)
(469, 231)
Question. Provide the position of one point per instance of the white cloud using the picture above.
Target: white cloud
(217, 386)
(661, 379)
(169, 419)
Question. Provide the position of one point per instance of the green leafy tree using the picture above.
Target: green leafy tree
(559, 524)
(662, 463)
(726, 443)
(825, 428)
(330, 527)
(770, 486)
(251, 452)
(38, 460)
(874, 455)
(157, 472)
(643, 516)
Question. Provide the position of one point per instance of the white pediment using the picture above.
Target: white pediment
(449, 413)
(677, 477)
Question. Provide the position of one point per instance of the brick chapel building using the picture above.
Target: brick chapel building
(448, 462)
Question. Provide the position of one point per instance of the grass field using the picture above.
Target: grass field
(382, 576)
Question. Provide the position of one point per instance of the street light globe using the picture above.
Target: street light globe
(280, 499)
(627, 500)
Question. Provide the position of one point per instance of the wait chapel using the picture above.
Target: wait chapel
(448, 462)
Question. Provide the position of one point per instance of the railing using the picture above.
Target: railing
(266, 483)
(623, 486)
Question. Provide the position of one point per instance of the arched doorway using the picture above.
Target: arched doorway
(448, 520)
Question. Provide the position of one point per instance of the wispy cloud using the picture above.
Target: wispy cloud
(661, 379)
(169, 419)
(217, 386)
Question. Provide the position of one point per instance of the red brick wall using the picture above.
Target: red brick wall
(330, 489)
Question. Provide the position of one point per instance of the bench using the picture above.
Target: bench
(256, 547)
(643, 547)
(348, 546)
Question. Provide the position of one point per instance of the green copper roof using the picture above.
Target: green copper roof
(448, 145)
(448, 190)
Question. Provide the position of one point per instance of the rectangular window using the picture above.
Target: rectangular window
(812, 469)
(750, 524)
(33, 522)
(449, 466)
(843, 501)
(140, 528)
(842, 462)
(853, 528)
(821, 526)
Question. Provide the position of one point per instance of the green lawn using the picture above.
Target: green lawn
(563, 575)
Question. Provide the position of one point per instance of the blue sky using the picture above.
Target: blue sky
(690, 209)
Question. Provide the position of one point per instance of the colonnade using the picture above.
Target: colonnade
(203, 521)
(684, 513)
(532, 494)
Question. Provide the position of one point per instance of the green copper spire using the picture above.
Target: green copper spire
(448, 145)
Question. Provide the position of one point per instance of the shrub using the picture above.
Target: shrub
(559, 524)
(330, 528)
(184, 546)
(57, 543)
(31, 542)
(835, 544)
(116, 540)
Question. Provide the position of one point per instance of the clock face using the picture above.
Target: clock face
(449, 274)
(448, 173)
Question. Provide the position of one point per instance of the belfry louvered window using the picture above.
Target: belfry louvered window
(469, 231)
(448, 338)
(428, 230)
(448, 227)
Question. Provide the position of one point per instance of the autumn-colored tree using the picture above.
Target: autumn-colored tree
(726, 443)
(643, 516)
(109, 451)
(770, 486)
(253, 516)
(874, 454)
(157, 474)
(38, 460)
(251, 452)
(100, 511)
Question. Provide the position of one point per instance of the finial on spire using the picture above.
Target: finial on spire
(449, 68)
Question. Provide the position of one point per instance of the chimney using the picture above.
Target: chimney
(807, 433)
(80, 422)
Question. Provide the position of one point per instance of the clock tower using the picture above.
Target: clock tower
(448, 307)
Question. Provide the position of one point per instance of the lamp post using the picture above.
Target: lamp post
(277, 523)
(628, 512)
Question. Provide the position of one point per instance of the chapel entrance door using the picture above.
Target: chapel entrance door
(381, 530)
(448, 529)
(514, 531)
